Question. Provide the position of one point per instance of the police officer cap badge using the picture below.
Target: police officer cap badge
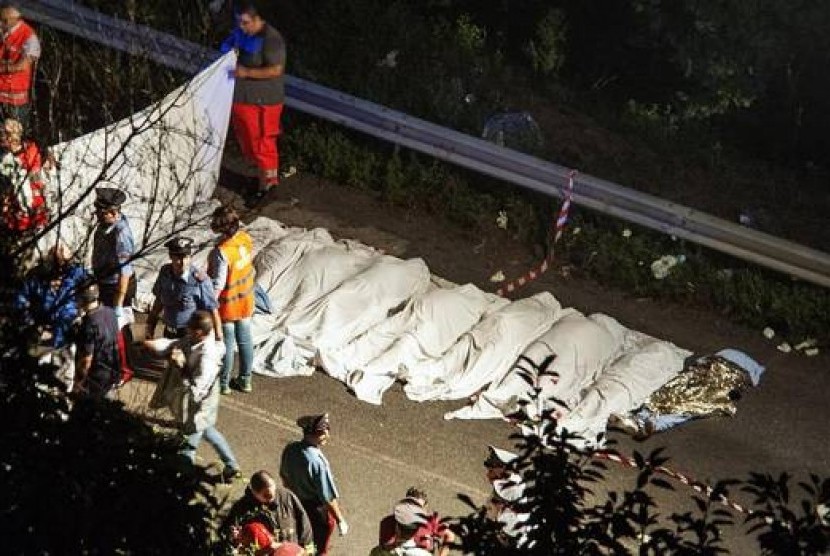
(180, 246)
(109, 197)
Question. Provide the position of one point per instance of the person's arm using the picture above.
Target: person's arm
(217, 270)
(217, 325)
(125, 248)
(83, 362)
(328, 493)
(207, 302)
(82, 367)
(204, 375)
(153, 318)
(123, 285)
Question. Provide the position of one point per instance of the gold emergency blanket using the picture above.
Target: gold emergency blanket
(709, 386)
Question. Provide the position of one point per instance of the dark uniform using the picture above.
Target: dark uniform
(181, 296)
(113, 247)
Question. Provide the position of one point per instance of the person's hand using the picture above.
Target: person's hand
(119, 311)
(177, 358)
(236, 531)
(342, 527)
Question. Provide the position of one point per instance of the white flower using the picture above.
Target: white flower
(497, 277)
(769, 333)
(626, 233)
(390, 60)
(808, 343)
(501, 220)
(784, 347)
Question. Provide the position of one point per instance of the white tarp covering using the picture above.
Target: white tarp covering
(166, 158)
(366, 318)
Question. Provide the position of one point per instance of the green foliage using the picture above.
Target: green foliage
(88, 477)
(567, 515)
(749, 295)
(546, 49)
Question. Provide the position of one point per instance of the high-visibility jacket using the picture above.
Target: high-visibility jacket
(14, 87)
(236, 299)
(24, 204)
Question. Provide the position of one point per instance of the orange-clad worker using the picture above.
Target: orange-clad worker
(19, 53)
(231, 268)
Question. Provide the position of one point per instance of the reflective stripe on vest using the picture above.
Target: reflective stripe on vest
(14, 87)
(236, 300)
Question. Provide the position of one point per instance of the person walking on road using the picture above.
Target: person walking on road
(231, 268)
(259, 93)
(190, 387)
(306, 471)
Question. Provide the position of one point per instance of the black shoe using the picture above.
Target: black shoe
(230, 474)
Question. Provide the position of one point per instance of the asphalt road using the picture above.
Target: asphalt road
(379, 451)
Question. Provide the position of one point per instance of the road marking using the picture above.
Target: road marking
(290, 426)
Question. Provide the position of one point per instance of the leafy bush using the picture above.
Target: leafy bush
(567, 515)
(88, 477)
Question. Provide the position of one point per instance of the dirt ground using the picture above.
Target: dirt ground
(378, 451)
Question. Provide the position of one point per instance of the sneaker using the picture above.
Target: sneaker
(225, 389)
(230, 474)
(241, 385)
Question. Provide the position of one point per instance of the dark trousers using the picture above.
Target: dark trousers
(107, 293)
(323, 524)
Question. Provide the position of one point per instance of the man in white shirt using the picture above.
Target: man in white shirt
(190, 387)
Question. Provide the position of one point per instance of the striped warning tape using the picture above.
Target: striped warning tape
(697, 486)
(559, 225)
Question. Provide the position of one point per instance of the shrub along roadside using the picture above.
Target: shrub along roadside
(597, 246)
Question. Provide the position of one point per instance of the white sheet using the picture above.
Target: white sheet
(484, 354)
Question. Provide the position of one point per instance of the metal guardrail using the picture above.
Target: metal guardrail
(458, 148)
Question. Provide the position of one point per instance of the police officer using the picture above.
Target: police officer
(113, 248)
(181, 289)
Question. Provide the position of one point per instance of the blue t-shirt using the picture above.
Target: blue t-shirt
(181, 296)
(307, 473)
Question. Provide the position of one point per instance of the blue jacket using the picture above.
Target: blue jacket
(41, 305)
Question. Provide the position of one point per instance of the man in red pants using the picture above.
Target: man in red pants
(19, 52)
(259, 93)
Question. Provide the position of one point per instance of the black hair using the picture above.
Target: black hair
(249, 8)
(201, 321)
(415, 492)
(225, 221)
(259, 480)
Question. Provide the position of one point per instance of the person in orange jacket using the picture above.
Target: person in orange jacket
(231, 268)
(19, 52)
(21, 174)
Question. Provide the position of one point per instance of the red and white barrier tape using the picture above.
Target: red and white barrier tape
(559, 225)
(697, 486)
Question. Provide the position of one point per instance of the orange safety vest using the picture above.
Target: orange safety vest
(236, 300)
(14, 87)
